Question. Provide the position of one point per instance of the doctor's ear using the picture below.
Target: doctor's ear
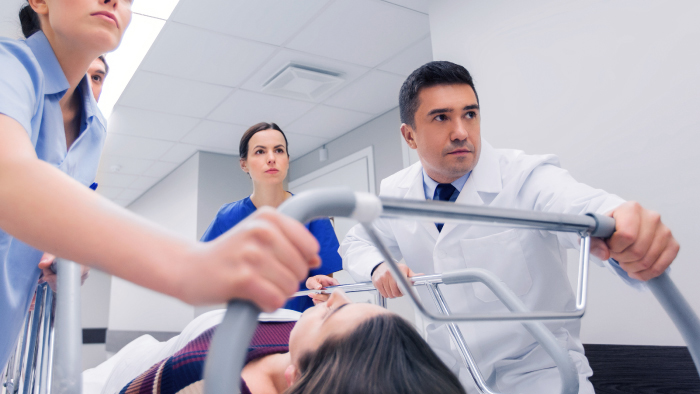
(291, 375)
(244, 165)
(409, 135)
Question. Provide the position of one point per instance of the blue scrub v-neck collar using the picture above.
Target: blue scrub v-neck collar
(54, 78)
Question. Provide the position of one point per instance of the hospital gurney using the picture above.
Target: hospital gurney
(230, 343)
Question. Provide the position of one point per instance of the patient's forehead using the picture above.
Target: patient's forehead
(354, 314)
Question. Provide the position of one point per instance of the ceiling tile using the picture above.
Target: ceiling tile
(144, 183)
(150, 124)
(172, 95)
(202, 55)
(122, 202)
(349, 72)
(270, 21)
(130, 194)
(136, 147)
(127, 165)
(417, 5)
(248, 108)
(365, 32)
(179, 153)
(113, 180)
(328, 122)
(216, 135)
(299, 145)
(109, 192)
(413, 57)
(375, 93)
(159, 169)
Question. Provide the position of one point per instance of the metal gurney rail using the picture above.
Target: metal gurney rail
(230, 343)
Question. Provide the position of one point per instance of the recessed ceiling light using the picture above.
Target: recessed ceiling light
(302, 82)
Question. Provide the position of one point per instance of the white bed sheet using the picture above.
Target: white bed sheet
(141, 353)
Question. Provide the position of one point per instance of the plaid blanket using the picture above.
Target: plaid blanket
(182, 372)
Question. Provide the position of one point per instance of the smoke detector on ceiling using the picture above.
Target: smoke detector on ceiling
(301, 82)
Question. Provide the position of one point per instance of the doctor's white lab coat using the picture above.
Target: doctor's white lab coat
(532, 263)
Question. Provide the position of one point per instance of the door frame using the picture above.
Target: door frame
(367, 153)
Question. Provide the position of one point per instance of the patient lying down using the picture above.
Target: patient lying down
(335, 347)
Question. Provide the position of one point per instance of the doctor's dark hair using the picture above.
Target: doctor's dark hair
(383, 355)
(29, 20)
(262, 126)
(428, 75)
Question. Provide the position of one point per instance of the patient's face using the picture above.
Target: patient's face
(267, 160)
(447, 133)
(336, 317)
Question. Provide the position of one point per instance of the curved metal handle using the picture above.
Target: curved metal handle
(222, 373)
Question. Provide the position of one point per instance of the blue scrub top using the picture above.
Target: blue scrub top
(31, 85)
(230, 214)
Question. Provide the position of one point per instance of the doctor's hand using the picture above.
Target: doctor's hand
(385, 283)
(48, 276)
(319, 282)
(262, 259)
(642, 244)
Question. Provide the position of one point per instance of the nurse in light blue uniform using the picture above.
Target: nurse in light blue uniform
(31, 85)
(45, 101)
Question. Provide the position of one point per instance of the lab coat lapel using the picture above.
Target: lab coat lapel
(415, 191)
(485, 178)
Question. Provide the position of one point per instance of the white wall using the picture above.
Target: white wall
(171, 203)
(612, 88)
(382, 133)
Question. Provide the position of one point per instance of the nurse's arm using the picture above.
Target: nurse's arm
(262, 259)
(642, 244)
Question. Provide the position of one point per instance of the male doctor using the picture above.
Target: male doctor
(441, 120)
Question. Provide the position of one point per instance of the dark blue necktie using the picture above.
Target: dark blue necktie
(443, 192)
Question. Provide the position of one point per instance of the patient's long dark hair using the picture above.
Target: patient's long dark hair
(384, 355)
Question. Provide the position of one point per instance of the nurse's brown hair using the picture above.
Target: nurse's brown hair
(29, 20)
(262, 126)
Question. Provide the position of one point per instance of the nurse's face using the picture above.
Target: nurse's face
(334, 318)
(94, 25)
(267, 161)
(447, 133)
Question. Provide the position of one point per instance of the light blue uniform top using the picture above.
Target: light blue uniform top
(31, 84)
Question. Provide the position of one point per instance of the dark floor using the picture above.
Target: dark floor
(621, 369)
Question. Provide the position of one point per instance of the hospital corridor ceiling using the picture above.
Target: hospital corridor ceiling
(200, 85)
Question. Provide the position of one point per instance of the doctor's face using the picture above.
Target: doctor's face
(447, 132)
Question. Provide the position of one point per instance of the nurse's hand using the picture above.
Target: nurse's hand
(642, 244)
(48, 276)
(319, 282)
(385, 283)
(262, 259)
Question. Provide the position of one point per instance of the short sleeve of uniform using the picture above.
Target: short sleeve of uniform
(331, 262)
(20, 81)
(214, 230)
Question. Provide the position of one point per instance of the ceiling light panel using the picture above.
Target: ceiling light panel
(300, 82)
(125, 60)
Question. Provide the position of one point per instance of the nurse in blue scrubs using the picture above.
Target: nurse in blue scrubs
(264, 156)
(51, 137)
